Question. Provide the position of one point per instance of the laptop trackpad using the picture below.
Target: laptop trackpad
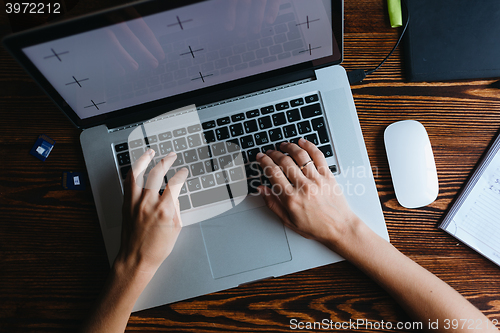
(244, 241)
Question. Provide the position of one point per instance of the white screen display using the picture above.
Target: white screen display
(181, 50)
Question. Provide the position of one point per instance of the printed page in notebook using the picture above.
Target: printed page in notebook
(477, 222)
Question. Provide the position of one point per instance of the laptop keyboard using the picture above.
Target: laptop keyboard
(211, 152)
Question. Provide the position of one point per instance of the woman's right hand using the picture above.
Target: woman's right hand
(308, 200)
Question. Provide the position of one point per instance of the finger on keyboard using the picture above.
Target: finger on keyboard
(140, 165)
(155, 177)
(175, 183)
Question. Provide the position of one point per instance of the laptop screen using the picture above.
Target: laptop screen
(136, 58)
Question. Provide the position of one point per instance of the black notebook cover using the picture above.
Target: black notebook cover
(452, 39)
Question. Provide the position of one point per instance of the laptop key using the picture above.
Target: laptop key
(209, 196)
(267, 109)
(252, 170)
(279, 119)
(238, 117)
(149, 167)
(304, 127)
(250, 126)
(184, 203)
(232, 146)
(151, 139)
(194, 128)
(207, 181)
(180, 144)
(208, 124)
(136, 153)
(155, 148)
(297, 102)
(319, 126)
(165, 136)
(209, 165)
(123, 158)
(223, 121)
(252, 113)
(265, 181)
(221, 177)
(239, 188)
(323, 135)
(190, 156)
(290, 131)
(184, 167)
(121, 147)
(282, 106)
(265, 122)
(267, 147)
(209, 136)
(238, 159)
(326, 150)
(294, 44)
(219, 148)
(166, 147)
(244, 156)
(261, 138)
(284, 55)
(312, 98)
(284, 18)
(194, 140)
(178, 161)
(226, 161)
(247, 142)
(281, 27)
(124, 171)
(222, 133)
(215, 164)
(236, 174)
(253, 184)
(240, 66)
(193, 184)
(169, 175)
(204, 152)
(293, 115)
(278, 146)
(180, 132)
(312, 138)
(236, 130)
(252, 153)
(184, 190)
(136, 143)
(310, 111)
(275, 134)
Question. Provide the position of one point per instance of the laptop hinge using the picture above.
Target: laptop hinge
(226, 101)
(261, 92)
(160, 107)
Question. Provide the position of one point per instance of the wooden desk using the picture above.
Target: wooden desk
(52, 257)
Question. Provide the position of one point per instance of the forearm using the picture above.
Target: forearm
(423, 295)
(151, 225)
(112, 311)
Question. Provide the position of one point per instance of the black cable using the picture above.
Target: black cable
(358, 75)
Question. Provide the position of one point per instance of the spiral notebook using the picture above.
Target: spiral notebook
(474, 218)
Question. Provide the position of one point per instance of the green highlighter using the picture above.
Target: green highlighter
(395, 14)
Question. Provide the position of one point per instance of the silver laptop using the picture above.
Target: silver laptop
(254, 77)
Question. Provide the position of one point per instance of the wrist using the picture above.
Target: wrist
(131, 271)
(349, 240)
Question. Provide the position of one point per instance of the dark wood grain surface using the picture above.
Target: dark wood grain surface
(52, 257)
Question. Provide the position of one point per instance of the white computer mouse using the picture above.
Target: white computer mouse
(411, 162)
